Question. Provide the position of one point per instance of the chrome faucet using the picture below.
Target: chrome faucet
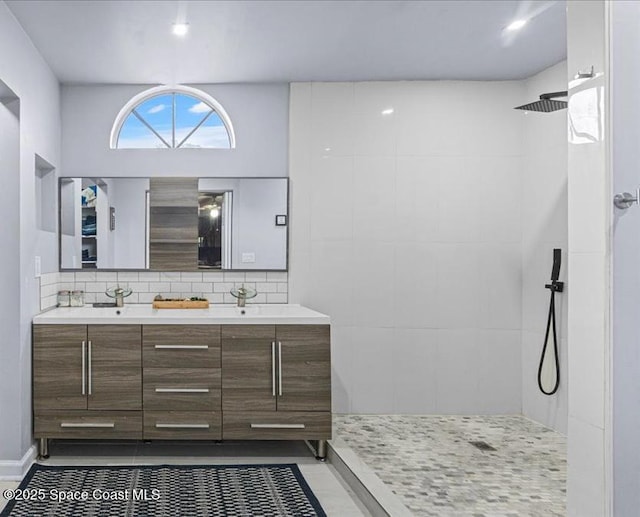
(119, 292)
(242, 296)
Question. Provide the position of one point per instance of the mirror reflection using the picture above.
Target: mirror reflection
(214, 218)
(245, 228)
(242, 223)
(103, 223)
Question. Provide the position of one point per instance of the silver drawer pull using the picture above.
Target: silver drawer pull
(90, 369)
(277, 426)
(280, 368)
(182, 347)
(182, 390)
(273, 368)
(182, 426)
(84, 368)
(71, 425)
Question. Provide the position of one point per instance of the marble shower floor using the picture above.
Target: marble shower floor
(430, 464)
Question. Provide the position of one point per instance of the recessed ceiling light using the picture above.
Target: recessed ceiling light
(180, 29)
(388, 111)
(516, 25)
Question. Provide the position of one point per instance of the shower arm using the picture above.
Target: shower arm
(553, 95)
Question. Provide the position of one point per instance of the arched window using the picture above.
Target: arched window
(172, 118)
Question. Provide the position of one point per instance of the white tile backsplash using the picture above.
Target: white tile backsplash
(277, 276)
(107, 276)
(149, 277)
(204, 287)
(96, 287)
(222, 287)
(257, 276)
(49, 278)
(191, 277)
(266, 287)
(272, 287)
(234, 277)
(128, 276)
(170, 276)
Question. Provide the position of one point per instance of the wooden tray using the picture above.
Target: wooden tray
(181, 304)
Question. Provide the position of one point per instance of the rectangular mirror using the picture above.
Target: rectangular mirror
(107, 223)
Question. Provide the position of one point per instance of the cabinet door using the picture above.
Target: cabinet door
(115, 367)
(304, 367)
(58, 368)
(248, 368)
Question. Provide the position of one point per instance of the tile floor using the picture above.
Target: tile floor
(430, 464)
(335, 497)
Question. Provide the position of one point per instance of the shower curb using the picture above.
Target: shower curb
(377, 497)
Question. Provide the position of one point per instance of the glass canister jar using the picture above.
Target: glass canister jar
(77, 299)
(64, 298)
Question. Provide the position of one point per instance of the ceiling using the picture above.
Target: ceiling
(95, 41)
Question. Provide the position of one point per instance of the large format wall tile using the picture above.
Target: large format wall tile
(410, 198)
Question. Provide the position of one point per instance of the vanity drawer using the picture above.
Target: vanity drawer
(88, 424)
(182, 425)
(289, 425)
(191, 389)
(181, 346)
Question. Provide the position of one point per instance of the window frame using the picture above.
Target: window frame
(137, 100)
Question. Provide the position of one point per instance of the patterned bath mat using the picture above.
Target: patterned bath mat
(164, 490)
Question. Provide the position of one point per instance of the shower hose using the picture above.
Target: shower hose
(555, 287)
(551, 326)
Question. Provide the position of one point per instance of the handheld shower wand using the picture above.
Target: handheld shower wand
(555, 287)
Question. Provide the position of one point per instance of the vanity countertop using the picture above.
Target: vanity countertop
(138, 314)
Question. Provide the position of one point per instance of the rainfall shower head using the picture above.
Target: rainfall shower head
(546, 104)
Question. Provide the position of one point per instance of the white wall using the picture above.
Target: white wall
(406, 229)
(46, 236)
(544, 227)
(9, 272)
(590, 208)
(258, 112)
(25, 72)
(625, 82)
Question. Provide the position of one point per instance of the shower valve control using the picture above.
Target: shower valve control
(555, 286)
(626, 199)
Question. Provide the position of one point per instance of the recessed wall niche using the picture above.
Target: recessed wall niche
(45, 195)
(9, 100)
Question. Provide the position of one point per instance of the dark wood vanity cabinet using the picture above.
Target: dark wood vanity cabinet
(276, 382)
(195, 382)
(87, 379)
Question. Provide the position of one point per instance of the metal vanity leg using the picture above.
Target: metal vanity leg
(321, 452)
(43, 448)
